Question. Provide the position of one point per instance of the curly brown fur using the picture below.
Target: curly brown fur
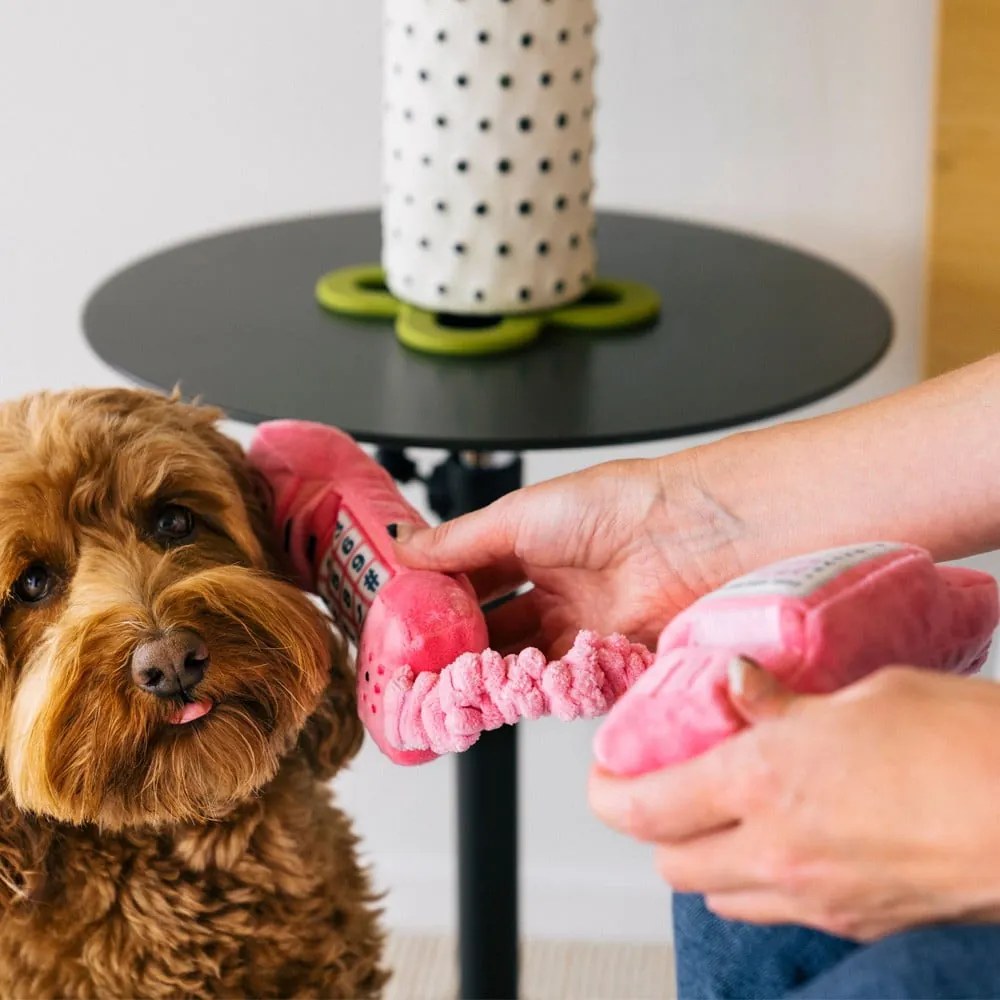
(140, 858)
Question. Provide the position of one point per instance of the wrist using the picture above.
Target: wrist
(789, 491)
(693, 524)
(740, 476)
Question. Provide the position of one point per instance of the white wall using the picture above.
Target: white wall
(127, 125)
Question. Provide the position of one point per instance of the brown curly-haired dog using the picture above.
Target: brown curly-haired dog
(170, 710)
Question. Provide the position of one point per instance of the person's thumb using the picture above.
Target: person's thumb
(757, 695)
(471, 542)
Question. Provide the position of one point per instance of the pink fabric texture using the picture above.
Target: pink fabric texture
(447, 711)
(818, 623)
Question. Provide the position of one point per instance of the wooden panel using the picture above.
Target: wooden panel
(963, 315)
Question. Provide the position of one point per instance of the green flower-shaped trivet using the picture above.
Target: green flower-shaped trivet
(608, 307)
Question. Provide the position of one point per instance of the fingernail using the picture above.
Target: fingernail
(400, 532)
(738, 672)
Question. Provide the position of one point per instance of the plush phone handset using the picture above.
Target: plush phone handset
(817, 623)
(332, 505)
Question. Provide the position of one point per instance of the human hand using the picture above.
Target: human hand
(621, 547)
(859, 813)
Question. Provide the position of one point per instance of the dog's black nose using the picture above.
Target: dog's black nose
(170, 664)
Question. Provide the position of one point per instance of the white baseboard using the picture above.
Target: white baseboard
(554, 903)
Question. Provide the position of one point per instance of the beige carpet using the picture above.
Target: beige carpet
(425, 969)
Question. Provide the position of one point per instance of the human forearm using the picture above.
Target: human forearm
(627, 545)
(921, 465)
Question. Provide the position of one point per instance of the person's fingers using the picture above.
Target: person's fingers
(515, 624)
(500, 580)
(755, 906)
(474, 541)
(756, 694)
(686, 800)
(722, 862)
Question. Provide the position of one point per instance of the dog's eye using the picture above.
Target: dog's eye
(173, 523)
(34, 584)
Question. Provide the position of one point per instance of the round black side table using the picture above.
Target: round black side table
(748, 329)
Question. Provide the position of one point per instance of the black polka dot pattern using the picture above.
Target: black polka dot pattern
(487, 191)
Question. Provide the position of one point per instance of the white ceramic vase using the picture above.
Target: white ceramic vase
(487, 147)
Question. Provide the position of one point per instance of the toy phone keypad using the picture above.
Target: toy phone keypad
(351, 575)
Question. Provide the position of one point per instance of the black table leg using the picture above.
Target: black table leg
(487, 793)
(487, 790)
(487, 773)
(487, 867)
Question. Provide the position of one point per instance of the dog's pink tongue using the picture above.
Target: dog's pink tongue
(190, 712)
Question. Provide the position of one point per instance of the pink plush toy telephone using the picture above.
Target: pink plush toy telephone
(428, 684)
(817, 623)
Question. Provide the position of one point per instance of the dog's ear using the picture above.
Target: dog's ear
(333, 734)
(25, 846)
(253, 489)
(256, 494)
(25, 841)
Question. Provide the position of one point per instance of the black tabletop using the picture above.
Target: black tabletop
(748, 329)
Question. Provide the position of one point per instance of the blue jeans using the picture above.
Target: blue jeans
(722, 959)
